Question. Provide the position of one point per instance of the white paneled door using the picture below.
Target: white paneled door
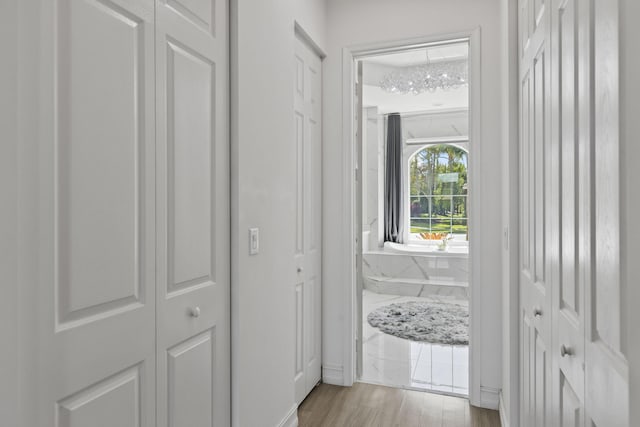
(95, 301)
(308, 227)
(193, 359)
(129, 320)
(536, 206)
(574, 371)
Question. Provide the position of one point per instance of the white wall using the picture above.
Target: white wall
(311, 15)
(263, 186)
(357, 22)
(510, 298)
(629, 193)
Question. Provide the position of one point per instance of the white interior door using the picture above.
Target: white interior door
(606, 366)
(308, 227)
(569, 77)
(536, 207)
(94, 302)
(193, 293)
(571, 138)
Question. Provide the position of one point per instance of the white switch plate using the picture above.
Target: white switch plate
(254, 241)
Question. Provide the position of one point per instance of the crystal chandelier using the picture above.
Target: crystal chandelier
(428, 77)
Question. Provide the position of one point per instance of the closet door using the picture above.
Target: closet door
(193, 319)
(606, 367)
(308, 250)
(537, 206)
(571, 135)
(90, 326)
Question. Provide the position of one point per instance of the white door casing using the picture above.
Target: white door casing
(308, 227)
(193, 266)
(95, 308)
(359, 120)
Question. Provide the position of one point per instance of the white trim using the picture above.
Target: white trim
(489, 398)
(350, 54)
(291, 419)
(300, 32)
(332, 375)
(437, 140)
(504, 419)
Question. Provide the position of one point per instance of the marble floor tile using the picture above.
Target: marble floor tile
(393, 361)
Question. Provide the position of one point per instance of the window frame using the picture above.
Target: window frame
(461, 142)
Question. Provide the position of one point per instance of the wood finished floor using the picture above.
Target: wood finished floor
(373, 405)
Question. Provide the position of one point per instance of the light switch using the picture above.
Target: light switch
(254, 241)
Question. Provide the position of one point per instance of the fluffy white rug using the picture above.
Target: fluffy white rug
(432, 322)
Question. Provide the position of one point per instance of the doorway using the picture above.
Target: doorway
(413, 272)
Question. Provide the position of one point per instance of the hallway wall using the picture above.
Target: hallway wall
(263, 189)
(388, 21)
(510, 409)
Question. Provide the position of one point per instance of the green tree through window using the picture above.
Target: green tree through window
(438, 191)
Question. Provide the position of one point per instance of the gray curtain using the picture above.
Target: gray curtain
(393, 182)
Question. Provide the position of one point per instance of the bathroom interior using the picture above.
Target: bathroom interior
(421, 271)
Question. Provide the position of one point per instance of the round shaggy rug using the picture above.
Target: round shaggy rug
(433, 322)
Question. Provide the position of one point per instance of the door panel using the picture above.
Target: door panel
(113, 401)
(94, 315)
(568, 300)
(193, 299)
(570, 405)
(191, 381)
(536, 205)
(607, 370)
(307, 256)
(540, 382)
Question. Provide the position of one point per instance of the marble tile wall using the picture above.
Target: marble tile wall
(372, 176)
(416, 275)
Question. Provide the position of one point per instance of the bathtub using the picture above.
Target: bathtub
(426, 249)
(417, 270)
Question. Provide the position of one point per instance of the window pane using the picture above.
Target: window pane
(419, 207)
(438, 191)
(441, 225)
(460, 228)
(459, 206)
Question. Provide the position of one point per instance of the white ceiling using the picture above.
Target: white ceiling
(375, 68)
(410, 58)
(374, 96)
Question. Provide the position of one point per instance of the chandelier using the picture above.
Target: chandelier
(428, 77)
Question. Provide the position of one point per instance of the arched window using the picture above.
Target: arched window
(438, 193)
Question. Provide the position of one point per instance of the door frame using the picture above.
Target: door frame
(349, 57)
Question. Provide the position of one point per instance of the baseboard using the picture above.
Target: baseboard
(489, 397)
(291, 419)
(503, 413)
(332, 375)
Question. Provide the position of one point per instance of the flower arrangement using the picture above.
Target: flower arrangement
(444, 242)
(433, 236)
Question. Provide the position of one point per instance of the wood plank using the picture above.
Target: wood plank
(373, 405)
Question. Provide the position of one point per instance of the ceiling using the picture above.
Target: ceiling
(375, 68)
(413, 57)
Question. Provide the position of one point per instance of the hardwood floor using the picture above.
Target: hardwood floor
(373, 405)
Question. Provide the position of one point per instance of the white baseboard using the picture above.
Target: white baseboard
(332, 375)
(503, 413)
(489, 397)
(291, 419)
